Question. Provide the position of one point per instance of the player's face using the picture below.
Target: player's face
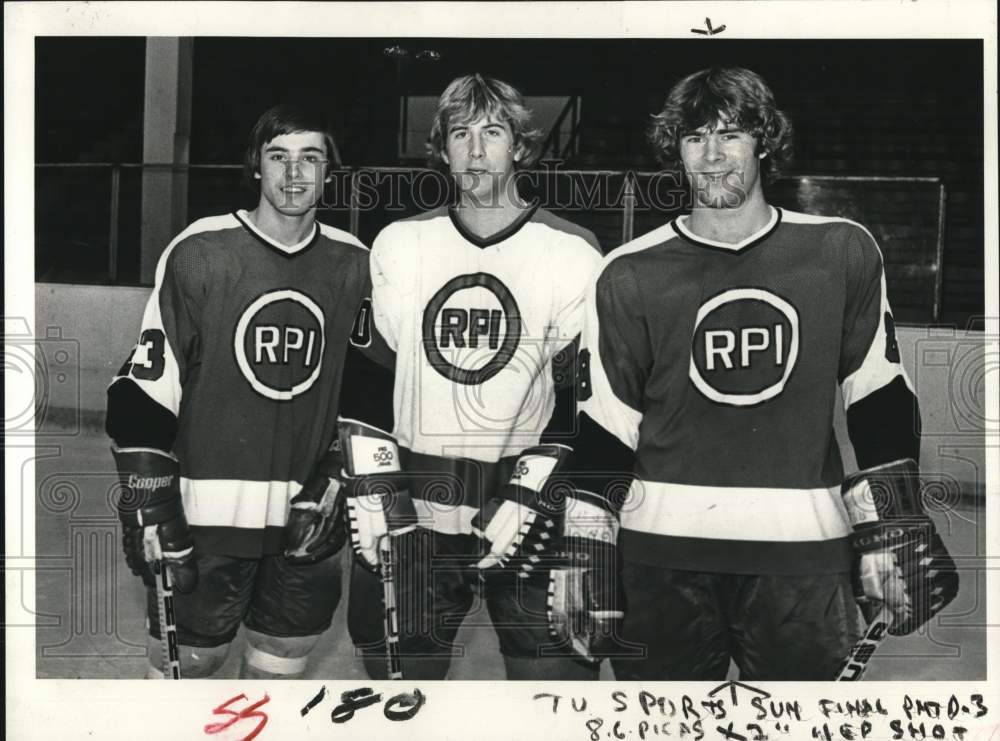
(293, 168)
(481, 155)
(722, 165)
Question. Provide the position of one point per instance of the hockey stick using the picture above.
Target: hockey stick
(388, 573)
(861, 653)
(164, 605)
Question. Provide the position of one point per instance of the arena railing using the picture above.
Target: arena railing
(88, 216)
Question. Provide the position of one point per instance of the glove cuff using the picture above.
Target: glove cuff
(385, 496)
(587, 518)
(367, 450)
(888, 535)
(531, 480)
(883, 493)
(150, 486)
(584, 552)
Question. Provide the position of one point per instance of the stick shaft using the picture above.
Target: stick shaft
(387, 568)
(856, 662)
(168, 624)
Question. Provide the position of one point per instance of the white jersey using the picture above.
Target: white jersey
(475, 325)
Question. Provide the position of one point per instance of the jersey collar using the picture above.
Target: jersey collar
(680, 227)
(505, 233)
(282, 249)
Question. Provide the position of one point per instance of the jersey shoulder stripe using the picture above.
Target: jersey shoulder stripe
(402, 230)
(620, 417)
(339, 235)
(659, 236)
(209, 224)
(201, 226)
(559, 224)
(796, 217)
(434, 213)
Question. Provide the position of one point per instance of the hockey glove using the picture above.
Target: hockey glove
(585, 608)
(378, 499)
(516, 526)
(151, 501)
(316, 527)
(902, 562)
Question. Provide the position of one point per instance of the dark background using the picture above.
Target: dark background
(884, 107)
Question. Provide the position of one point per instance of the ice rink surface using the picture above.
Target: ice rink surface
(90, 614)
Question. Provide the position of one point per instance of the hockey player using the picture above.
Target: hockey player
(481, 305)
(229, 399)
(714, 346)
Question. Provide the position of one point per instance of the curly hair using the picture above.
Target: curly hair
(733, 95)
(472, 97)
(285, 119)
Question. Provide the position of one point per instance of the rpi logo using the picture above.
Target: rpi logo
(471, 328)
(744, 346)
(279, 342)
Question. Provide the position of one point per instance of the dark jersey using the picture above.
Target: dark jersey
(717, 367)
(238, 370)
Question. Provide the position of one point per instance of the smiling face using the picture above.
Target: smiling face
(293, 168)
(722, 165)
(481, 155)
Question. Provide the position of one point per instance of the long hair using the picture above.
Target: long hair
(285, 119)
(472, 97)
(734, 95)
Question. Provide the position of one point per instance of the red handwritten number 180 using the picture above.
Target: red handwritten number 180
(245, 714)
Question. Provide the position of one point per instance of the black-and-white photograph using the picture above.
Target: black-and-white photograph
(372, 360)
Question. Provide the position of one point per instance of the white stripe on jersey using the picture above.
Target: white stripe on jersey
(875, 371)
(604, 406)
(452, 519)
(166, 389)
(339, 235)
(232, 503)
(735, 513)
